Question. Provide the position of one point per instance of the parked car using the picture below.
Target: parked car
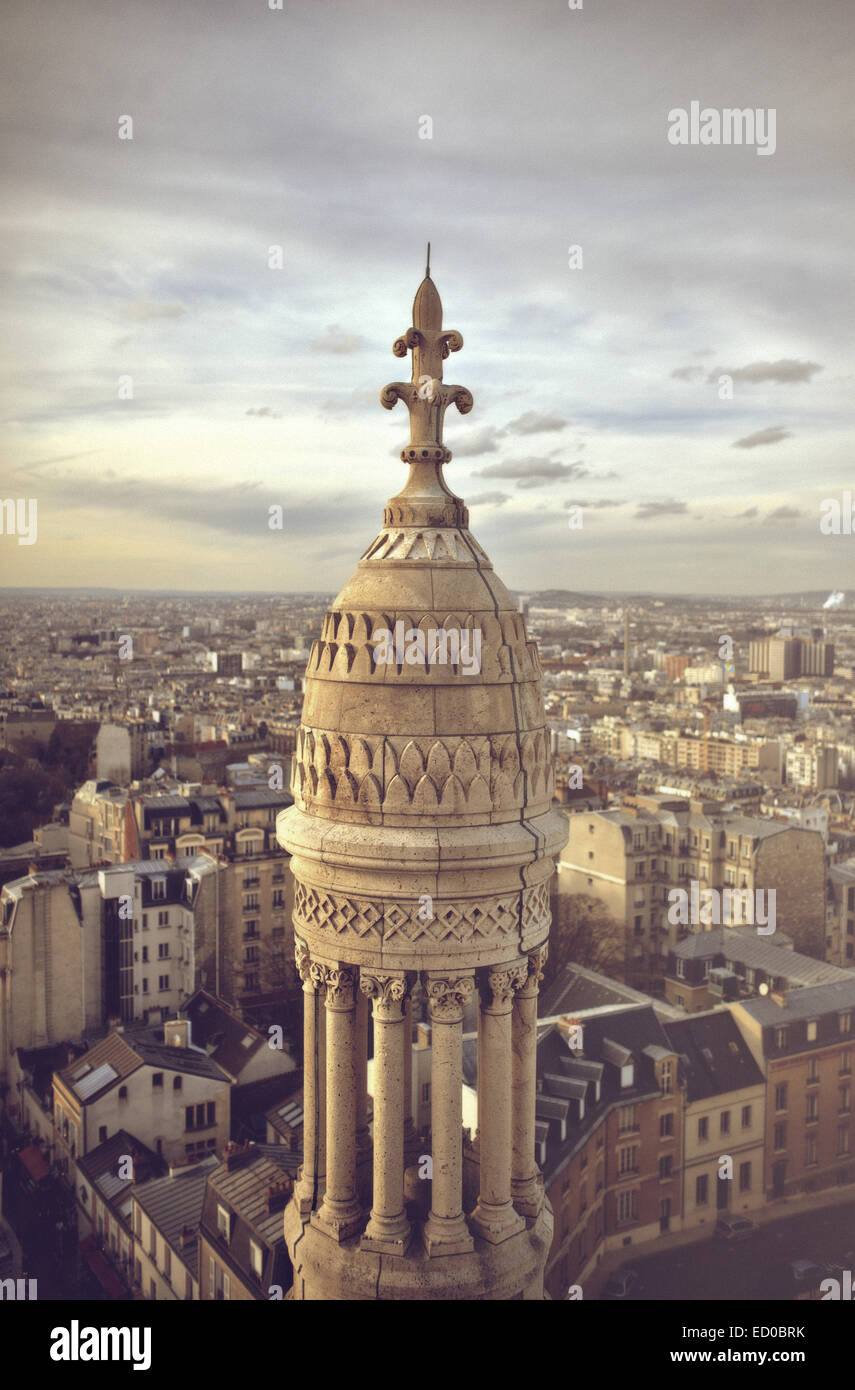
(624, 1283)
(733, 1227)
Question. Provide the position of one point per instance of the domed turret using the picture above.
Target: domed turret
(422, 841)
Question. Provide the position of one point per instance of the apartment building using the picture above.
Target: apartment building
(840, 915)
(811, 767)
(632, 857)
(176, 1098)
(724, 1119)
(105, 1183)
(804, 1043)
(725, 964)
(253, 954)
(609, 1136)
(241, 1240)
(165, 1218)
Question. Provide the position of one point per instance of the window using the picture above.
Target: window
(176, 1083)
(810, 1149)
(781, 1096)
(665, 1078)
(163, 950)
(163, 982)
(628, 1206)
(746, 1117)
(628, 1158)
(223, 1221)
(701, 1190)
(145, 921)
(251, 954)
(745, 1177)
(846, 1061)
(724, 1122)
(845, 1105)
(779, 1139)
(843, 1139)
(813, 1072)
(137, 1223)
(780, 1038)
(627, 1118)
(666, 1125)
(123, 1093)
(845, 1020)
(220, 1282)
(145, 984)
(163, 919)
(811, 1030)
(102, 1134)
(665, 1166)
(167, 1263)
(145, 955)
(703, 1129)
(681, 970)
(256, 1257)
(812, 1108)
(188, 1285)
(211, 1115)
(157, 1079)
(158, 888)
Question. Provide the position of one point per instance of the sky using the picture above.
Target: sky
(167, 378)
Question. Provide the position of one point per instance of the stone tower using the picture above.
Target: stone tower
(422, 842)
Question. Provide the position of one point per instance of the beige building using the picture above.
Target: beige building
(724, 1119)
(422, 839)
(631, 858)
(177, 1099)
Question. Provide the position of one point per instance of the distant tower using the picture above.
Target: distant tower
(422, 841)
(626, 644)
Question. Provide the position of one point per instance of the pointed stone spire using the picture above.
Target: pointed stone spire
(426, 499)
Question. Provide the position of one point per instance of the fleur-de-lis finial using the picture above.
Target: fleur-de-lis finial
(427, 398)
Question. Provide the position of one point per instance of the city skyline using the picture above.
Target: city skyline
(595, 386)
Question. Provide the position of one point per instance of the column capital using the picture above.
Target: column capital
(448, 996)
(388, 993)
(303, 960)
(339, 981)
(498, 986)
(533, 976)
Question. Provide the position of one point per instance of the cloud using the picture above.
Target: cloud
(748, 515)
(482, 441)
(598, 505)
(773, 435)
(782, 516)
(533, 423)
(786, 369)
(687, 373)
(648, 511)
(338, 342)
(143, 310)
(533, 467)
(267, 411)
(488, 499)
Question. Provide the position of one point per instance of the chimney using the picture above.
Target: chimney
(238, 1154)
(278, 1195)
(188, 1235)
(422, 1036)
(176, 1032)
(779, 997)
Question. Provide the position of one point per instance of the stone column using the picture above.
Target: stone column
(494, 1218)
(340, 1214)
(305, 1192)
(410, 1136)
(526, 1182)
(363, 1138)
(446, 1231)
(388, 1230)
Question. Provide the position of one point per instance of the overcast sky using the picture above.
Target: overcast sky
(597, 386)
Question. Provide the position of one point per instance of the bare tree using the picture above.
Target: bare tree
(583, 933)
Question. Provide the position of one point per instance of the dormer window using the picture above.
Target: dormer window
(627, 1075)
